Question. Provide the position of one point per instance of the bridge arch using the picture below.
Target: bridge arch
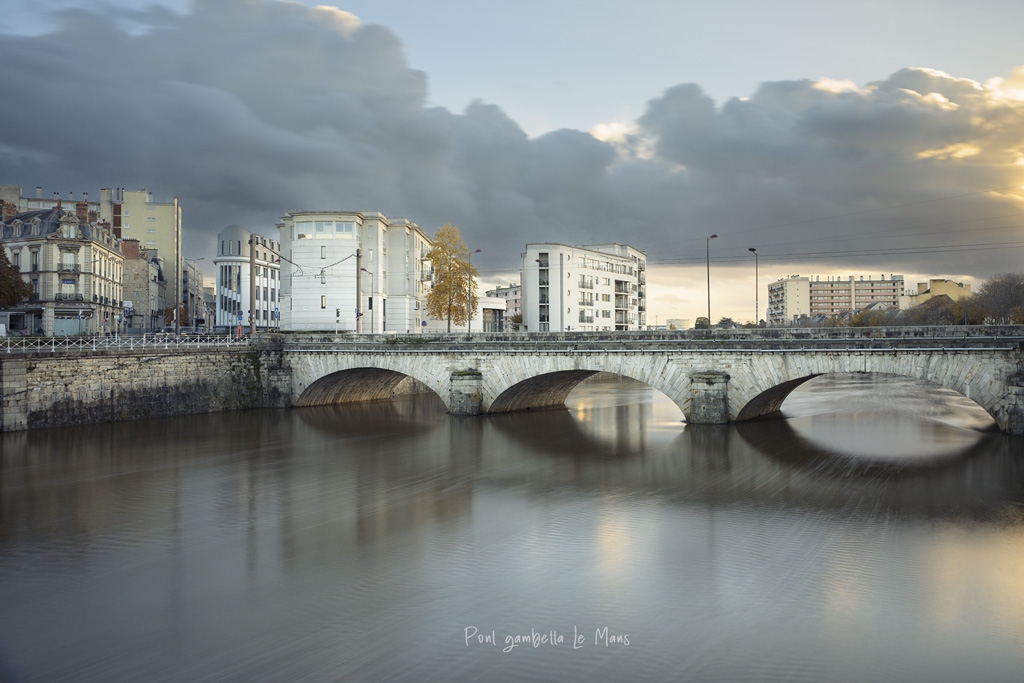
(355, 385)
(331, 378)
(523, 383)
(758, 389)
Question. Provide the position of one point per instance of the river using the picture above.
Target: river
(874, 534)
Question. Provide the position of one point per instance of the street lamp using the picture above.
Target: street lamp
(757, 306)
(708, 254)
(373, 316)
(469, 292)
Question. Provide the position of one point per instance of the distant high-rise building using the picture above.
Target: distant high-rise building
(796, 297)
(133, 214)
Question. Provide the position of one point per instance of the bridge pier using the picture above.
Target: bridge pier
(467, 393)
(1015, 412)
(709, 398)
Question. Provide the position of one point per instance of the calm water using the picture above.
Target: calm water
(877, 534)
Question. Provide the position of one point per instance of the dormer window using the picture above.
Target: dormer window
(17, 228)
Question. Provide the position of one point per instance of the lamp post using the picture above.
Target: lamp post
(757, 306)
(708, 254)
(373, 316)
(469, 291)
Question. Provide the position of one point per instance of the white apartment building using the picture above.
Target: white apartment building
(795, 297)
(585, 288)
(235, 279)
(353, 271)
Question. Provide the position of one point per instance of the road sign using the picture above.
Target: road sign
(239, 316)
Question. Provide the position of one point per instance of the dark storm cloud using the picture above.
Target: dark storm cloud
(248, 108)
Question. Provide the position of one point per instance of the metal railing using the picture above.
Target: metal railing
(155, 341)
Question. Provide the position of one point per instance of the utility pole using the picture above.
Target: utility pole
(177, 267)
(359, 293)
(252, 284)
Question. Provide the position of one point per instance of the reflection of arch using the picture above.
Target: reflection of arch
(408, 417)
(355, 385)
(767, 436)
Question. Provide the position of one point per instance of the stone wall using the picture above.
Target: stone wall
(82, 387)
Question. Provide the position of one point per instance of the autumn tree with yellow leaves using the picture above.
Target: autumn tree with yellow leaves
(454, 290)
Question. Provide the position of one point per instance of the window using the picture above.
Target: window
(323, 301)
(16, 259)
(323, 251)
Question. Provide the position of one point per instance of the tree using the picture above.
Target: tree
(702, 323)
(454, 292)
(1002, 297)
(13, 288)
(515, 322)
(182, 315)
(726, 324)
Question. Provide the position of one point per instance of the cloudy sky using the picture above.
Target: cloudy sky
(835, 138)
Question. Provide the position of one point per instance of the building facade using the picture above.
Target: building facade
(133, 214)
(585, 288)
(798, 297)
(513, 298)
(144, 287)
(353, 271)
(75, 268)
(933, 288)
(235, 279)
(489, 316)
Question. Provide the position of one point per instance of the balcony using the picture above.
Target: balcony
(544, 282)
(63, 296)
(70, 268)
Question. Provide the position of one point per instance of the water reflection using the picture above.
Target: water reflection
(358, 542)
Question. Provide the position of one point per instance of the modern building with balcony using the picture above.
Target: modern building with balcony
(353, 271)
(75, 268)
(584, 288)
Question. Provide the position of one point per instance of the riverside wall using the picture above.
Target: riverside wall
(43, 390)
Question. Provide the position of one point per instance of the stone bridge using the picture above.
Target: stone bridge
(715, 377)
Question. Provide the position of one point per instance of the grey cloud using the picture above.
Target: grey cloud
(246, 109)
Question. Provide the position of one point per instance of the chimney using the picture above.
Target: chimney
(82, 211)
(10, 210)
(39, 192)
(93, 217)
(130, 248)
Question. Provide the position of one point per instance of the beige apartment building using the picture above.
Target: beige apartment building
(133, 214)
(933, 288)
(796, 297)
